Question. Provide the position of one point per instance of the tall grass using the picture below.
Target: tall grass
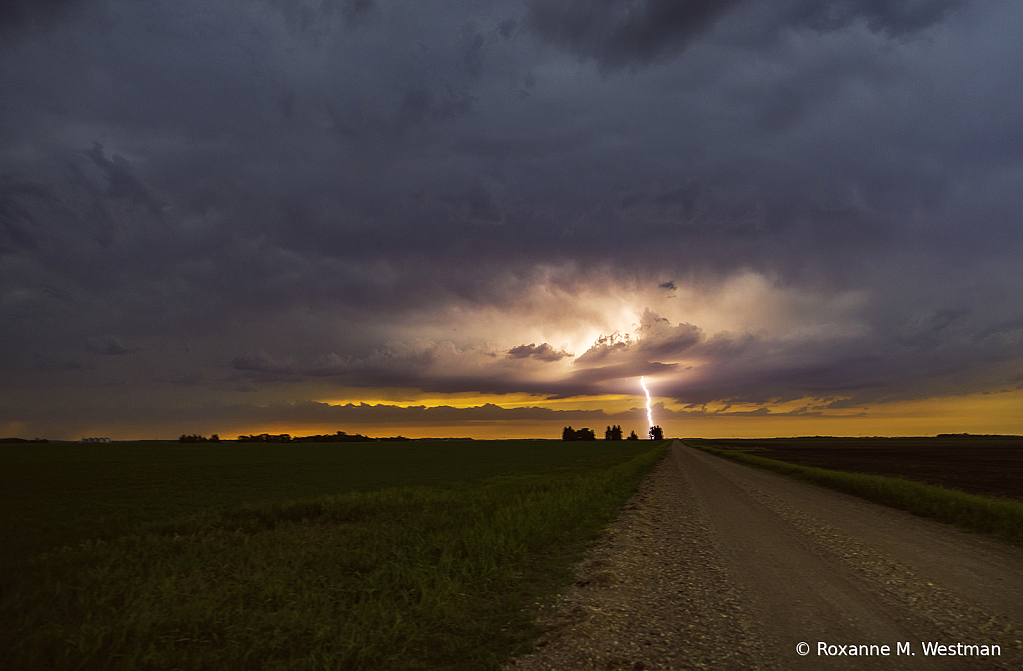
(403, 578)
(999, 517)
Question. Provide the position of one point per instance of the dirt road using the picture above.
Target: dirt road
(717, 565)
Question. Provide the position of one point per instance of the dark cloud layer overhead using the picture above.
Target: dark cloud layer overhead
(625, 32)
(242, 203)
(895, 17)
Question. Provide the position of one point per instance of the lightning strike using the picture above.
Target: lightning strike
(649, 412)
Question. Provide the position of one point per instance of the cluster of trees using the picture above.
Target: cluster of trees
(581, 434)
(339, 437)
(23, 440)
(615, 433)
(196, 438)
(266, 438)
(612, 433)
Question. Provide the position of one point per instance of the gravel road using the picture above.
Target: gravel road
(716, 565)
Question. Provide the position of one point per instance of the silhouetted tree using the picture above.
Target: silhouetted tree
(581, 434)
(633, 436)
(607, 433)
(656, 433)
(616, 432)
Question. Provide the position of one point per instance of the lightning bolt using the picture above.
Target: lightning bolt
(649, 413)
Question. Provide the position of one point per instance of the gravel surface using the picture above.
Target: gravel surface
(716, 565)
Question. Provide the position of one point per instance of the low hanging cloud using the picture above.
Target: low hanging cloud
(541, 352)
(382, 414)
(656, 339)
(682, 362)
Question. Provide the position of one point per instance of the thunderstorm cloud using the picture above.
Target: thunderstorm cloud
(228, 211)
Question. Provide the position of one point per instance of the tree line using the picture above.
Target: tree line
(339, 437)
(612, 433)
(197, 438)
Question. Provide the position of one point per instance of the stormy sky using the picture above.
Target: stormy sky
(495, 215)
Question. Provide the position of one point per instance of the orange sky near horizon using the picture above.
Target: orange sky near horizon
(991, 413)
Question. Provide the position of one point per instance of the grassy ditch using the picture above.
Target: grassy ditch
(999, 517)
(401, 578)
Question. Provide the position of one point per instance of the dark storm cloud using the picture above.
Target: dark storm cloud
(269, 194)
(121, 183)
(422, 107)
(658, 337)
(618, 33)
(111, 345)
(21, 13)
(541, 352)
(895, 17)
(309, 16)
(19, 223)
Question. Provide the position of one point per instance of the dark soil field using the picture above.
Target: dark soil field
(986, 465)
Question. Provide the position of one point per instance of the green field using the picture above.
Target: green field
(295, 556)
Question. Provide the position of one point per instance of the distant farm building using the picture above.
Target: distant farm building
(95, 440)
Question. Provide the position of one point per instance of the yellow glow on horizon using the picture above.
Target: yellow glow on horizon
(991, 413)
(979, 413)
(408, 398)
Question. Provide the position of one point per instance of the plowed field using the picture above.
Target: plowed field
(986, 465)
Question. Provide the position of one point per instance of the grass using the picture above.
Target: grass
(56, 494)
(411, 577)
(1001, 518)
